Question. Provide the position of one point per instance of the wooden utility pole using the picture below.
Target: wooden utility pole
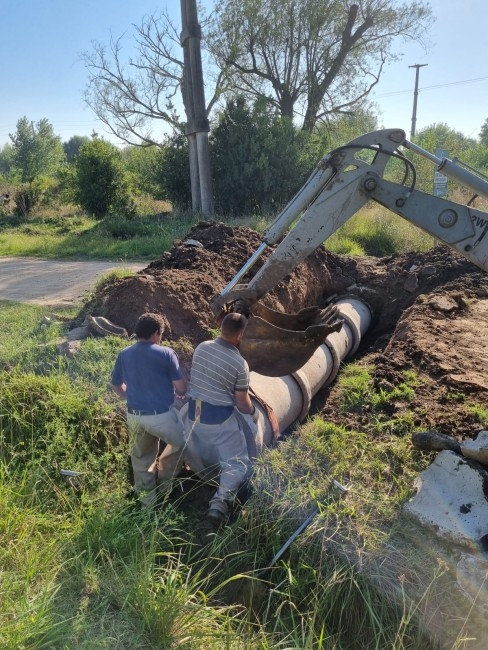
(197, 126)
(415, 95)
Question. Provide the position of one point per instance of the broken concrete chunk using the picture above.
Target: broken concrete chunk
(101, 326)
(78, 333)
(193, 242)
(451, 500)
(477, 449)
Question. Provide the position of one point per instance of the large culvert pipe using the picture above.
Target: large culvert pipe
(289, 397)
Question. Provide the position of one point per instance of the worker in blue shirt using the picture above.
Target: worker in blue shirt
(148, 376)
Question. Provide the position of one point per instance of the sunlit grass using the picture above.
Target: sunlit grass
(377, 231)
(84, 568)
(373, 231)
(479, 413)
(115, 238)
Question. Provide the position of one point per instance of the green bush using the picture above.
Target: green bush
(30, 195)
(101, 185)
(49, 417)
(257, 160)
(173, 172)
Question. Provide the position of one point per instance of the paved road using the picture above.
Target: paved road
(51, 282)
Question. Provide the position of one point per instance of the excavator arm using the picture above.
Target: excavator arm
(342, 183)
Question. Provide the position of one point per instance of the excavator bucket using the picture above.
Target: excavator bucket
(276, 344)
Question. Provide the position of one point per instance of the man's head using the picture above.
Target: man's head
(232, 327)
(147, 325)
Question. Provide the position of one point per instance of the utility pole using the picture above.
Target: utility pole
(197, 126)
(415, 95)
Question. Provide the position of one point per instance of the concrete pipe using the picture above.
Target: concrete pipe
(290, 396)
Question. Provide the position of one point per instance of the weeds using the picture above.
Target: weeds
(82, 567)
(82, 237)
(67, 233)
(479, 413)
(376, 231)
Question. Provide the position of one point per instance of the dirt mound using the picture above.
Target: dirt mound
(430, 309)
(181, 283)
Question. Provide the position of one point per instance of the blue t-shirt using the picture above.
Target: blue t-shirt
(148, 371)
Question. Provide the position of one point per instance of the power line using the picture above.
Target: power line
(452, 83)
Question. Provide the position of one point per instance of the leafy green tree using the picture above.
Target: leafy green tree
(258, 159)
(312, 58)
(37, 156)
(101, 184)
(443, 136)
(37, 151)
(73, 145)
(6, 159)
(308, 59)
(484, 133)
(143, 164)
(344, 128)
(173, 172)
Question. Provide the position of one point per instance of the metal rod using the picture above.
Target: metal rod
(250, 262)
(452, 170)
(290, 540)
(422, 152)
(299, 530)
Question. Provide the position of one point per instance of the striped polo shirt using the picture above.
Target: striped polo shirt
(217, 371)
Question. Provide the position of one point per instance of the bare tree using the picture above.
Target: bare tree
(309, 59)
(130, 94)
(312, 58)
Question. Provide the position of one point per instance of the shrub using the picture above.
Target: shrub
(101, 185)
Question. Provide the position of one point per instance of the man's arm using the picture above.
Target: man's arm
(120, 390)
(243, 402)
(180, 387)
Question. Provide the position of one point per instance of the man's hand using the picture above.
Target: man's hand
(180, 401)
(120, 391)
(250, 423)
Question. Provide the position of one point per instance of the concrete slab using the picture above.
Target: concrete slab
(451, 500)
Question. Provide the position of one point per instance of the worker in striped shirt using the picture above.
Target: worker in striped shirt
(219, 384)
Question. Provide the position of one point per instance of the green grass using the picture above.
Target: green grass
(479, 413)
(81, 568)
(63, 234)
(378, 232)
(81, 237)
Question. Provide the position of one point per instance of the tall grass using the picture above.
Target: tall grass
(378, 232)
(373, 231)
(80, 236)
(82, 567)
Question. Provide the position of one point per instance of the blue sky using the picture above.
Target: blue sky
(44, 77)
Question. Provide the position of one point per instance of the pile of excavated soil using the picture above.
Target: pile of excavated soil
(430, 312)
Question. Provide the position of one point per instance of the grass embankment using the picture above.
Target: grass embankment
(68, 234)
(83, 568)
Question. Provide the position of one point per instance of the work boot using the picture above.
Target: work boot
(216, 518)
(218, 512)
